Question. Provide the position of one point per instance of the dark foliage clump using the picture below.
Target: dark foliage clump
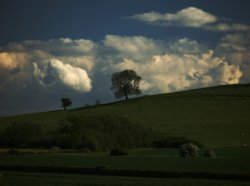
(188, 150)
(66, 102)
(24, 135)
(118, 152)
(100, 133)
(125, 83)
(94, 133)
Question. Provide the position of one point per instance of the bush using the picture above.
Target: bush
(24, 135)
(188, 150)
(209, 153)
(118, 152)
(173, 142)
(100, 133)
(92, 132)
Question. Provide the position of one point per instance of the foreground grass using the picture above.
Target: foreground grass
(47, 179)
(217, 116)
(229, 160)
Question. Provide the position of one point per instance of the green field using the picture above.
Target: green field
(45, 179)
(217, 116)
(228, 160)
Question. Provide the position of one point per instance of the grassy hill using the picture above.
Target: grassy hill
(216, 116)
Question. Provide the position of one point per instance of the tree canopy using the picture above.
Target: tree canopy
(125, 83)
(66, 102)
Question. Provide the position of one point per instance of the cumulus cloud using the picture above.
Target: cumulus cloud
(230, 74)
(236, 49)
(134, 46)
(85, 62)
(56, 68)
(49, 62)
(225, 27)
(190, 17)
(12, 60)
(171, 66)
(56, 47)
(173, 72)
(73, 77)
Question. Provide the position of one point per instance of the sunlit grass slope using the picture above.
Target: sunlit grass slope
(216, 116)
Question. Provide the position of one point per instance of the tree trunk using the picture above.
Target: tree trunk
(126, 95)
(64, 107)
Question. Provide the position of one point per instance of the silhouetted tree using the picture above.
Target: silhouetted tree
(125, 83)
(66, 102)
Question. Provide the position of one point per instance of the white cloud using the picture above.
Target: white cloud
(73, 77)
(225, 27)
(134, 46)
(11, 60)
(190, 17)
(86, 62)
(235, 48)
(230, 74)
(62, 46)
(185, 46)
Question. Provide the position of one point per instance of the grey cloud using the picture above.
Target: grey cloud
(235, 48)
(136, 47)
(191, 17)
(56, 47)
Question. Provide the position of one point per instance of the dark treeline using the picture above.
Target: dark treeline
(87, 133)
(94, 133)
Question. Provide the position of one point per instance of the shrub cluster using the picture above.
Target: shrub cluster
(96, 133)
(189, 150)
(100, 133)
(25, 134)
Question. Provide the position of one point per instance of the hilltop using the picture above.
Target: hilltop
(216, 116)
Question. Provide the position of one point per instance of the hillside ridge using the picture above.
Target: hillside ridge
(216, 116)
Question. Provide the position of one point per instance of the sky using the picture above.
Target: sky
(71, 48)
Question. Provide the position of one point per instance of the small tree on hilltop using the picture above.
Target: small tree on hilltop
(66, 102)
(125, 83)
